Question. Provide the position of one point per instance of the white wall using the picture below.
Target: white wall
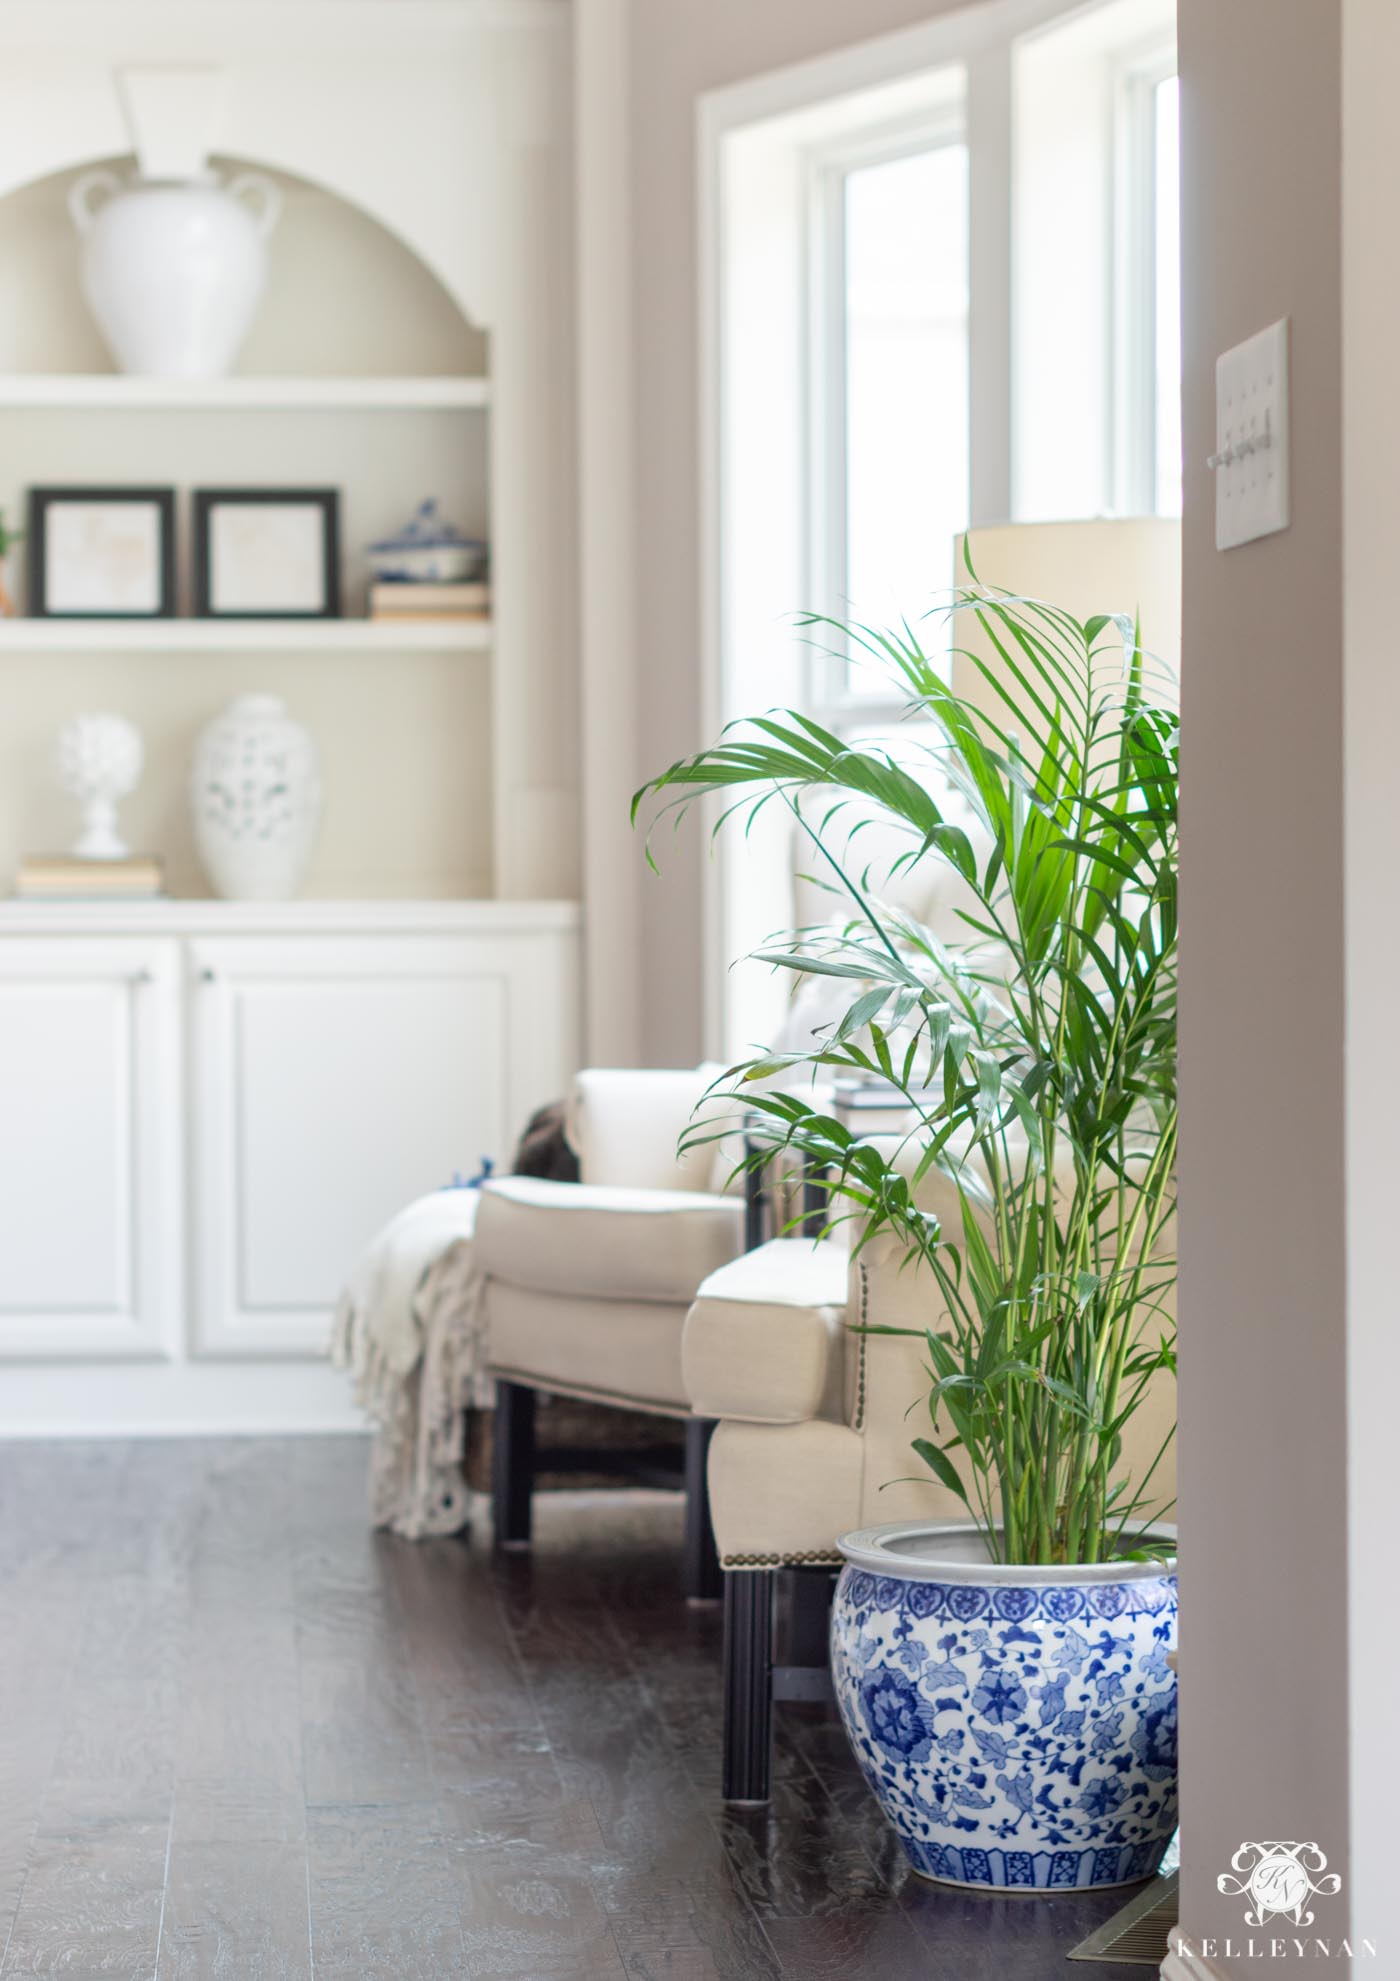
(1263, 1300)
(1371, 420)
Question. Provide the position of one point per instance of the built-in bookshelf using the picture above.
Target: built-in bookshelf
(370, 379)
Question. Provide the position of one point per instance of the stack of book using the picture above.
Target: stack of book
(68, 877)
(406, 600)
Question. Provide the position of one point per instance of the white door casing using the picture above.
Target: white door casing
(90, 1148)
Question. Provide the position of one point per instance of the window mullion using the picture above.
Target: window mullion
(1134, 389)
(823, 387)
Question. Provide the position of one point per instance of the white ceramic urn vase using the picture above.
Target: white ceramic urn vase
(256, 795)
(173, 271)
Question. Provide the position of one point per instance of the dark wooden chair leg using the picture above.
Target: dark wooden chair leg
(809, 1617)
(513, 1463)
(748, 1684)
(701, 1572)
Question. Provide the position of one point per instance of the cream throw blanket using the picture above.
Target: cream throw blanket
(407, 1331)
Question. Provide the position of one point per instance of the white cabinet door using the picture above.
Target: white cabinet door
(90, 1213)
(335, 1079)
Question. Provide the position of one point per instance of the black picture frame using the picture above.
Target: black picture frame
(44, 501)
(207, 501)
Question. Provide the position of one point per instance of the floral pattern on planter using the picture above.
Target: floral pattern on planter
(1014, 1736)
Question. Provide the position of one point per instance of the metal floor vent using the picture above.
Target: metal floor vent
(1136, 1936)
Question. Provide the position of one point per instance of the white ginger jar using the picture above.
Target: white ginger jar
(256, 796)
(173, 271)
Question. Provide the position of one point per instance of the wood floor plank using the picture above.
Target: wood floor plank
(58, 1499)
(235, 1911)
(244, 1737)
(238, 1754)
(463, 1656)
(1020, 1930)
(695, 1928)
(385, 1892)
(488, 1774)
(91, 1904)
(797, 1858)
(116, 1761)
(529, 1895)
(875, 1946)
(362, 1733)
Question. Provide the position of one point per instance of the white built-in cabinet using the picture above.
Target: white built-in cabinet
(209, 1110)
(91, 1215)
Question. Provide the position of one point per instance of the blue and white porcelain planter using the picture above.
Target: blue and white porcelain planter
(1016, 1724)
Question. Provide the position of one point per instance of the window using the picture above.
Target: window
(1166, 237)
(889, 383)
(938, 288)
(895, 394)
(1147, 286)
(1095, 288)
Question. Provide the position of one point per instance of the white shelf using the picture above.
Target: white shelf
(242, 636)
(78, 389)
(360, 916)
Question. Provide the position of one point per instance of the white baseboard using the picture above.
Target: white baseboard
(173, 1400)
(1181, 1965)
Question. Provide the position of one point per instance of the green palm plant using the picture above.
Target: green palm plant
(1037, 1055)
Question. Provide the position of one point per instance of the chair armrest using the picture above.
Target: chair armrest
(624, 1126)
(764, 1341)
(596, 1242)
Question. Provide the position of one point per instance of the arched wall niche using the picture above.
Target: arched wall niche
(346, 295)
(447, 122)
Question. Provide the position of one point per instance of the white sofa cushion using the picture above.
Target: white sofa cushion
(620, 1351)
(604, 1243)
(764, 1339)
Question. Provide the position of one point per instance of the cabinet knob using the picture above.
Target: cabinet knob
(143, 976)
(208, 976)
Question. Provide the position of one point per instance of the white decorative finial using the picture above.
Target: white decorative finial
(99, 761)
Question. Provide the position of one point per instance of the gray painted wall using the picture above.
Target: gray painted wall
(1263, 1262)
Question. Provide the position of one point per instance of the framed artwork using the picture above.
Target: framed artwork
(101, 553)
(267, 553)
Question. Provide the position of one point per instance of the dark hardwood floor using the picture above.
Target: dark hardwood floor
(242, 1737)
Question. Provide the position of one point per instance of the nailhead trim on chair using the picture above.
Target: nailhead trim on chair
(818, 1556)
(860, 1357)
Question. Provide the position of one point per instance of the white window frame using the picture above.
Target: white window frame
(1134, 412)
(827, 534)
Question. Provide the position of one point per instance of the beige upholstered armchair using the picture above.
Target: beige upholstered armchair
(585, 1286)
(815, 1422)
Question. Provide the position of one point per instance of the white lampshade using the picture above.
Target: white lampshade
(1130, 565)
